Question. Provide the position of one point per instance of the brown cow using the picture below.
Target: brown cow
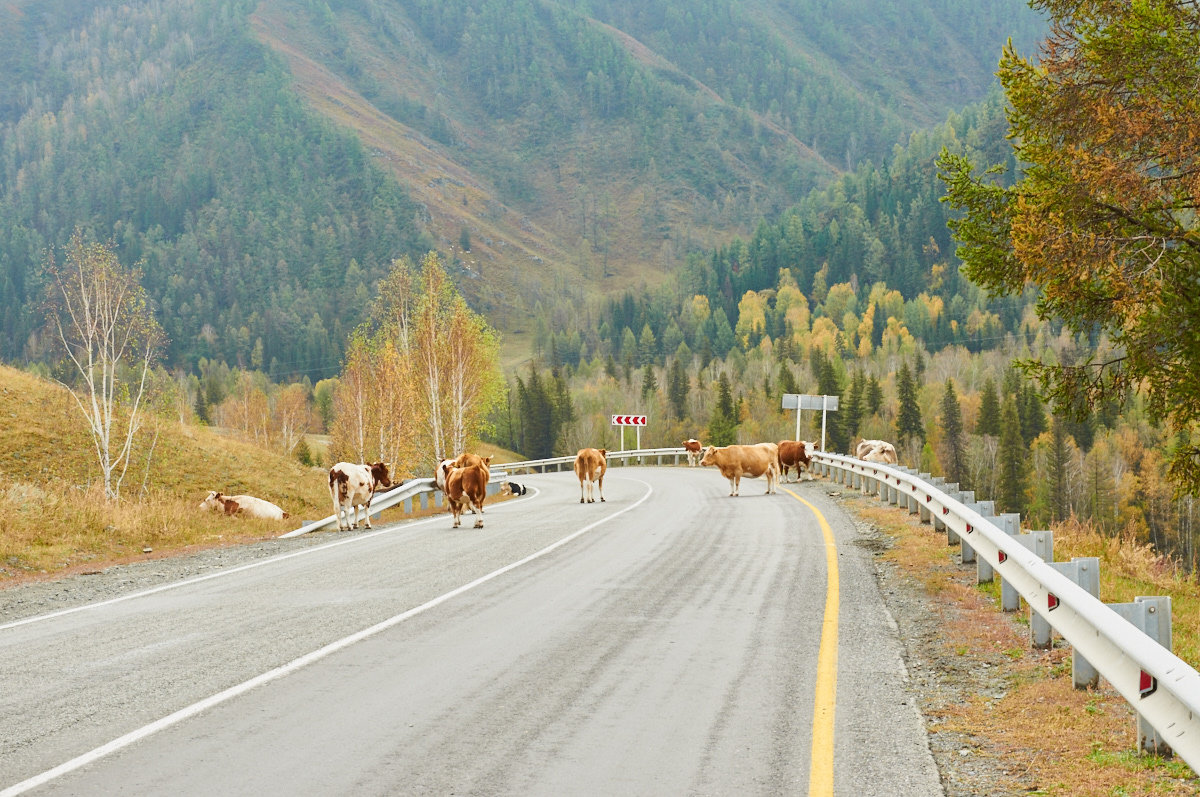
(795, 454)
(694, 450)
(466, 487)
(751, 461)
(242, 506)
(352, 486)
(590, 465)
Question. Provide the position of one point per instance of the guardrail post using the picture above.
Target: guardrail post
(964, 497)
(1042, 544)
(935, 521)
(983, 509)
(922, 509)
(1152, 615)
(1009, 523)
(1087, 575)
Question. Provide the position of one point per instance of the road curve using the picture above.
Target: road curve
(663, 642)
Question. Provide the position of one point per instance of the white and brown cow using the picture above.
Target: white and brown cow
(876, 451)
(461, 461)
(466, 487)
(694, 450)
(590, 466)
(242, 506)
(752, 461)
(795, 454)
(352, 486)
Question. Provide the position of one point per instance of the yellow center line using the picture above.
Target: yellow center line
(820, 772)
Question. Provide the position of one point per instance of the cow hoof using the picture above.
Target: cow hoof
(581, 500)
(601, 500)
(479, 524)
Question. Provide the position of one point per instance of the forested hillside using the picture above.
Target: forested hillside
(267, 161)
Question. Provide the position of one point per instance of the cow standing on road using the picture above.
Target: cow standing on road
(590, 466)
(734, 462)
(694, 450)
(796, 454)
(466, 487)
(352, 486)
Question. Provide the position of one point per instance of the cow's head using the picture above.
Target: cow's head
(379, 473)
(214, 500)
(709, 452)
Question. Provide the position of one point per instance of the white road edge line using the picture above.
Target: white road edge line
(296, 664)
(391, 528)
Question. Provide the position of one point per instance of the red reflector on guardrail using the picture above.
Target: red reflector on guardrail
(970, 528)
(1051, 601)
(1147, 684)
(945, 510)
(1002, 556)
(928, 498)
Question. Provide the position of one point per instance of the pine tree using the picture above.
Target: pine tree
(1013, 456)
(851, 410)
(649, 382)
(909, 425)
(1059, 461)
(787, 380)
(989, 410)
(722, 426)
(678, 386)
(874, 396)
(954, 443)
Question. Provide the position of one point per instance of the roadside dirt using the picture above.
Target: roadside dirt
(1002, 717)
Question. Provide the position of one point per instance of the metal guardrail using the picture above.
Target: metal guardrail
(1160, 686)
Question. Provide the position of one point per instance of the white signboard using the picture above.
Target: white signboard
(804, 401)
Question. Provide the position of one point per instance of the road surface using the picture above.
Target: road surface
(664, 642)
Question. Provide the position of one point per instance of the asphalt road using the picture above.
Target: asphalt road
(664, 642)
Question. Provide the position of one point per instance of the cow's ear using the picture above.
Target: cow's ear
(604, 453)
(487, 460)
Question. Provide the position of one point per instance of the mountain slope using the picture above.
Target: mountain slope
(268, 160)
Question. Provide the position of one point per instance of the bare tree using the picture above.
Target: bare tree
(99, 311)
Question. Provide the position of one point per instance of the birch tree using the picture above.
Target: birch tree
(100, 315)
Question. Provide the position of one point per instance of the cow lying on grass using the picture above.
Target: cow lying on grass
(242, 506)
(734, 462)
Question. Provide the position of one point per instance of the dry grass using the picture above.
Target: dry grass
(54, 519)
(1050, 737)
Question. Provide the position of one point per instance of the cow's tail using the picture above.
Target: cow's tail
(341, 480)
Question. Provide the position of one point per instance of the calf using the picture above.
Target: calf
(761, 459)
(352, 486)
(242, 506)
(466, 487)
(694, 450)
(590, 466)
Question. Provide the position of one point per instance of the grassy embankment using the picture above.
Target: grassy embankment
(1052, 738)
(53, 516)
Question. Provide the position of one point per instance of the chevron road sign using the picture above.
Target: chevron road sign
(629, 420)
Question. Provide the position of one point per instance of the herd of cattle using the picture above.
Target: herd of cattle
(464, 479)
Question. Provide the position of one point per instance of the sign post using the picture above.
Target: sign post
(636, 421)
(803, 401)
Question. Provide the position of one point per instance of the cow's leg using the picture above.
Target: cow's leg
(367, 512)
(601, 483)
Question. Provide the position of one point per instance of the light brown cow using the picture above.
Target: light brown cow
(752, 461)
(590, 466)
(242, 506)
(466, 488)
(795, 454)
(876, 451)
(694, 450)
(352, 486)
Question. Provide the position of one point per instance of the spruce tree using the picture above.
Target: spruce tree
(787, 381)
(909, 425)
(649, 382)
(722, 425)
(989, 410)
(1013, 456)
(954, 442)
(1059, 461)
(678, 386)
(874, 396)
(851, 410)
